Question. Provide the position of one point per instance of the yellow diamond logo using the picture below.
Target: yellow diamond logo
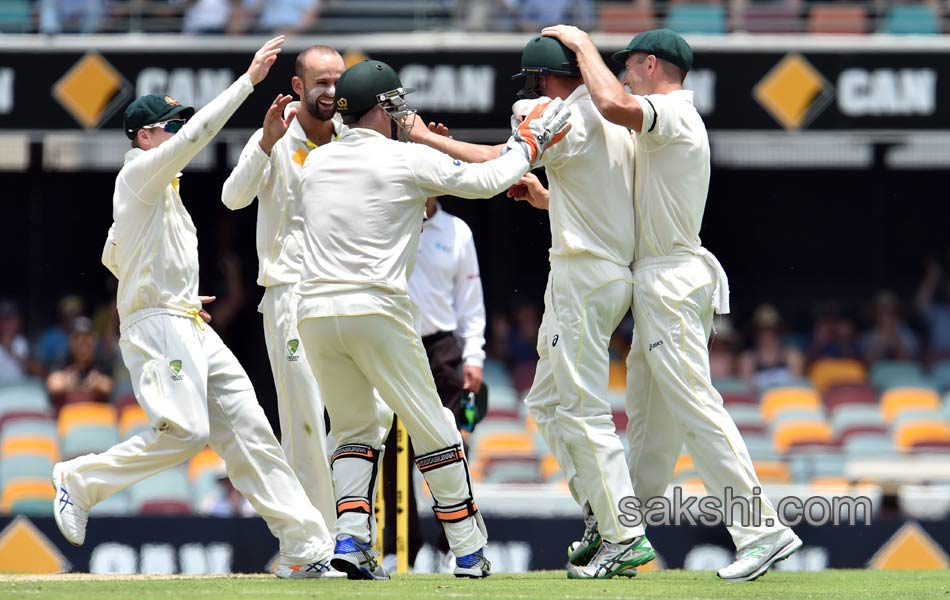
(353, 57)
(24, 549)
(92, 90)
(910, 548)
(794, 92)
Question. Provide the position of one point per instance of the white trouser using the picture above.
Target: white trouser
(670, 396)
(350, 356)
(196, 394)
(303, 434)
(585, 300)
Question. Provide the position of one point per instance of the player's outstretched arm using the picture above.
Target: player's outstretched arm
(616, 105)
(152, 171)
(253, 171)
(436, 136)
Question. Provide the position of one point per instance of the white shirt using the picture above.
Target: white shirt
(274, 180)
(363, 202)
(11, 369)
(672, 175)
(590, 174)
(446, 287)
(152, 246)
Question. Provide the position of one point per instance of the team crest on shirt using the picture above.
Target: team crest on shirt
(175, 366)
(292, 347)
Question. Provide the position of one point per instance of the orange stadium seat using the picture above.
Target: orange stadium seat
(618, 376)
(772, 471)
(787, 398)
(838, 18)
(18, 445)
(549, 468)
(204, 461)
(796, 433)
(504, 444)
(626, 18)
(921, 433)
(85, 413)
(22, 490)
(897, 400)
(831, 371)
(132, 419)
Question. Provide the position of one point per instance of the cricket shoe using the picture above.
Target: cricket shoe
(356, 559)
(70, 517)
(319, 568)
(753, 561)
(474, 565)
(615, 559)
(579, 553)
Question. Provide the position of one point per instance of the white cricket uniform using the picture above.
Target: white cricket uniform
(274, 180)
(448, 290)
(364, 201)
(677, 287)
(590, 174)
(187, 381)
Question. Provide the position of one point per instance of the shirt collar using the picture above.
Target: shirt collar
(296, 129)
(578, 93)
(686, 95)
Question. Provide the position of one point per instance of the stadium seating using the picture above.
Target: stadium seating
(513, 472)
(769, 17)
(886, 374)
(86, 439)
(918, 19)
(29, 445)
(898, 400)
(827, 372)
(918, 434)
(168, 492)
(27, 399)
(760, 447)
(133, 420)
(625, 18)
(28, 496)
(849, 393)
(748, 418)
(772, 471)
(850, 419)
(24, 466)
(84, 414)
(940, 375)
(697, 18)
(16, 16)
(838, 18)
(869, 445)
(778, 399)
(794, 433)
(618, 376)
(809, 466)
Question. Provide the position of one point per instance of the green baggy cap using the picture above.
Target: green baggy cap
(662, 43)
(153, 108)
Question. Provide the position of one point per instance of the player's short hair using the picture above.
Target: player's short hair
(300, 66)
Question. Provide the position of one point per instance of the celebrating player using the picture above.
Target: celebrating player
(678, 285)
(270, 168)
(189, 383)
(363, 199)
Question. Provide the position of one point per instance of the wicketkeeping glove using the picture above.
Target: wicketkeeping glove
(522, 108)
(544, 126)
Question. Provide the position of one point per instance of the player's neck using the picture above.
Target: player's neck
(317, 131)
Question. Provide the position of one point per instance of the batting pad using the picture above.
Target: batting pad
(355, 477)
(446, 472)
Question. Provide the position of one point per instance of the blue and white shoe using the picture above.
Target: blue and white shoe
(319, 568)
(473, 565)
(70, 517)
(356, 559)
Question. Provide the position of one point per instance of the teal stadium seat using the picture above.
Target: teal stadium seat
(168, 492)
(32, 507)
(38, 426)
(16, 16)
(86, 439)
(27, 397)
(116, 505)
(30, 466)
(887, 374)
(697, 18)
(911, 19)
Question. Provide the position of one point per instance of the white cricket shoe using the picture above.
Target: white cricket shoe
(319, 568)
(612, 560)
(70, 517)
(753, 561)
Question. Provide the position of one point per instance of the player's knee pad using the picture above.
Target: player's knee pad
(355, 472)
(446, 472)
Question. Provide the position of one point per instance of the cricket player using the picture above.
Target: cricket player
(363, 199)
(187, 381)
(588, 293)
(447, 290)
(678, 285)
(270, 168)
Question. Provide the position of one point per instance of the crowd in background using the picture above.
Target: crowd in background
(77, 352)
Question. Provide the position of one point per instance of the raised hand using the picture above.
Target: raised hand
(264, 59)
(544, 126)
(275, 123)
(570, 36)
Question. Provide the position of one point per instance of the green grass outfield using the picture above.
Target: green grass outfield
(544, 585)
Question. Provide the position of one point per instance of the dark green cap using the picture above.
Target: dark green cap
(150, 109)
(543, 55)
(366, 84)
(662, 43)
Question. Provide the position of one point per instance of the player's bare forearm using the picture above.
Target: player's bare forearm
(468, 152)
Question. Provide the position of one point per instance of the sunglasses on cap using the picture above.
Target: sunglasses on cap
(170, 126)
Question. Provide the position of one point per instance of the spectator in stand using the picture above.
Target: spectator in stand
(211, 16)
(71, 16)
(15, 363)
(223, 500)
(54, 342)
(889, 337)
(522, 346)
(282, 16)
(933, 306)
(770, 362)
(833, 334)
(723, 349)
(536, 14)
(83, 374)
